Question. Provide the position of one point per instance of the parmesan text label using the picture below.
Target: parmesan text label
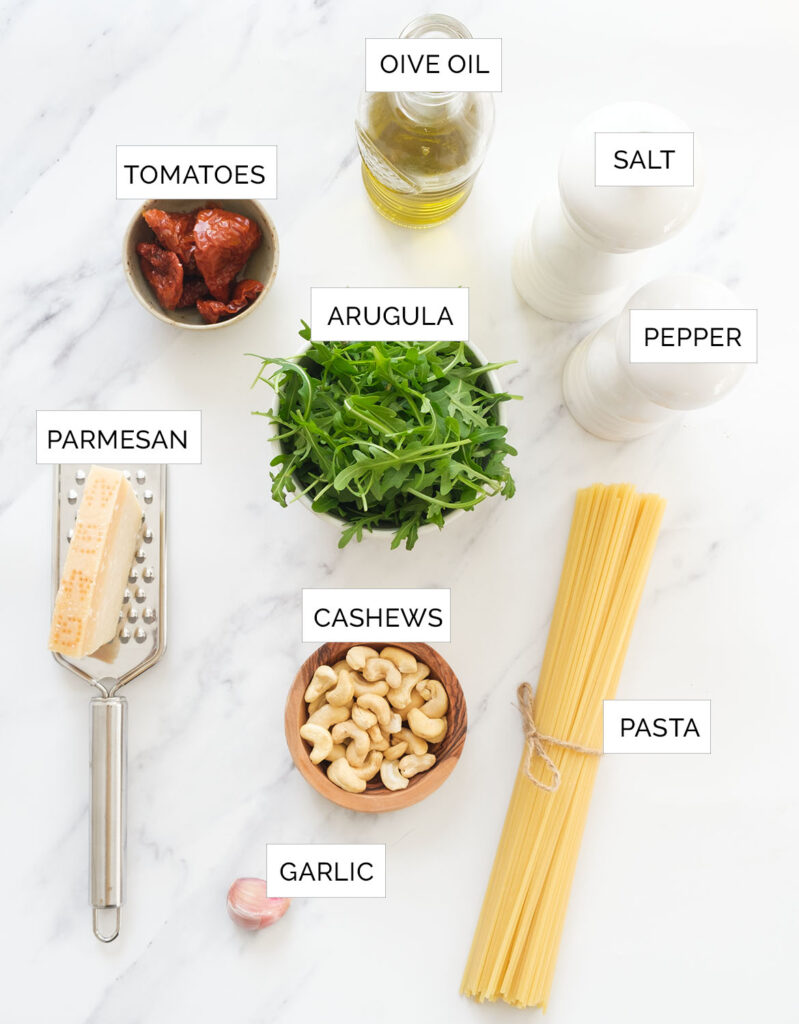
(146, 437)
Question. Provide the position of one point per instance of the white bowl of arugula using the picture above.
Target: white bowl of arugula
(387, 437)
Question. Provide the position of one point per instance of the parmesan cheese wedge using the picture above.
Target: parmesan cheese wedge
(98, 562)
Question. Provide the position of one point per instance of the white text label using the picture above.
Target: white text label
(197, 172)
(390, 314)
(146, 437)
(693, 335)
(392, 614)
(639, 159)
(434, 65)
(325, 869)
(656, 727)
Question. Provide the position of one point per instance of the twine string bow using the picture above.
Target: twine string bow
(535, 741)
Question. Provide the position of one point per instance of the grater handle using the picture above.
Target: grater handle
(109, 728)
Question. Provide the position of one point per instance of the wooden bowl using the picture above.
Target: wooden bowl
(262, 265)
(376, 798)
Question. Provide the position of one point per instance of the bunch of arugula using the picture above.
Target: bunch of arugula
(386, 435)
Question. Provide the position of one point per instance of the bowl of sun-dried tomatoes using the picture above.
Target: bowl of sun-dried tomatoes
(200, 265)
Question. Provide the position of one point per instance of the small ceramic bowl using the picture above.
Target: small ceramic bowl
(383, 532)
(376, 798)
(262, 265)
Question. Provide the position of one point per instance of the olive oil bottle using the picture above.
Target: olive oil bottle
(421, 151)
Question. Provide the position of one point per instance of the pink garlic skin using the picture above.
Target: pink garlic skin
(250, 907)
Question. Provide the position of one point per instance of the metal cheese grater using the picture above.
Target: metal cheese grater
(140, 642)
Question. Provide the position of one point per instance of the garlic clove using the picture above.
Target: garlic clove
(250, 907)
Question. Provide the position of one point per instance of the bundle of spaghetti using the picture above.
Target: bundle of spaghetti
(612, 538)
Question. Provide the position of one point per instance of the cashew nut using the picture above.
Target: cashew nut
(394, 723)
(395, 752)
(378, 706)
(342, 774)
(323, 679)
(416, 745)
(363, 719)
(371, 766)
(379, 741)
(358, 656)
(314, 706)
(320, 739)
(343, 690)
(359, 748)
(328, 716)
(389, 773)
(431, 729)
(435, 696)
(403, 659)
(381, 668)
(402, 695)
(336, 751)
(416, 701)
(412, 764)
(380, 688)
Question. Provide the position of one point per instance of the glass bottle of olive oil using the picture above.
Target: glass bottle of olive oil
(421, 151)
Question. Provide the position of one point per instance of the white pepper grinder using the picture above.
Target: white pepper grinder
(619, 400)
(584, 249)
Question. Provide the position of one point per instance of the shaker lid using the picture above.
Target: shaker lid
(624, 218)
(678, 385)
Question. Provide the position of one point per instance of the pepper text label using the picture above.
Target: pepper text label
(693, 335)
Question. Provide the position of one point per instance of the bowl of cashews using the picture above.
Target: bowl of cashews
(375, 726)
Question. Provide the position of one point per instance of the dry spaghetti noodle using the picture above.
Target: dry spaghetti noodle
(610, 547)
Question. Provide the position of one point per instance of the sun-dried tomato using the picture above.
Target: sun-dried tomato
(175, 231)
(194, 288)
(245, 292)
(164, 272)
(225, 241)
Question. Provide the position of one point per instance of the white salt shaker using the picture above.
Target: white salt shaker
(618, 400)
(584, 249)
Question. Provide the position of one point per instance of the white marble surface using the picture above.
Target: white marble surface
(685, 901)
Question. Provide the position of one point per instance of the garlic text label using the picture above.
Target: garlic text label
(390, 314)
(656, 727)
(693, 335)
(326, 869)
(434, 65)
(639, 159)
(143, 436)
(197, 172)
(351, 614)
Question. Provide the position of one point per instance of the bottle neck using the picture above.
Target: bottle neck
(430, 107)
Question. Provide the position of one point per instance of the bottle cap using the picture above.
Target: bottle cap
(678, 385)
(623, 218)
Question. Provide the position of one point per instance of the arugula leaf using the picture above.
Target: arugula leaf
(386, 435)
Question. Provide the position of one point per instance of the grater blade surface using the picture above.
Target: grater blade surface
(141, 634)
